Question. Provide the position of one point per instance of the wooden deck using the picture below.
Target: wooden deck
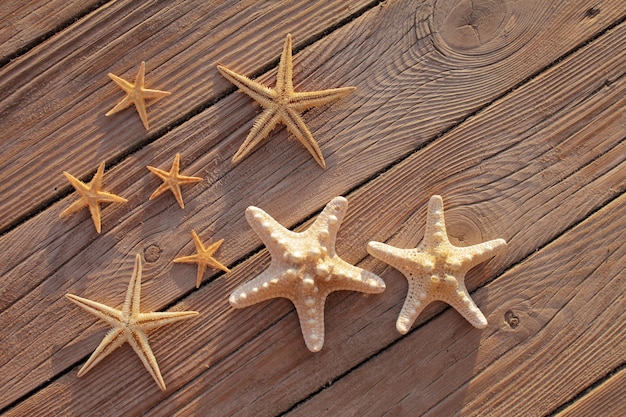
(514, 112)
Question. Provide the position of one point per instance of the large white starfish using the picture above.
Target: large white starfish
(436, 269)
(305, 268)
(129, 325)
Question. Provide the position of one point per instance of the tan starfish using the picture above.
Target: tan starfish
(282, 105)
(203, 257)
(129, 325)
(305, 268)
(436, 269)
(172, 181)
(91, 196)
(136, 94)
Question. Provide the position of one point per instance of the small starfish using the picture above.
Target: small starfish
(436, 269)
(172, 181)
(129, 325)
(91, 196)
(305, 268)
(282, 105)
(136, 94)
(203, 257)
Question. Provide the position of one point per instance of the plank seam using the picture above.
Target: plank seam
(47, 35)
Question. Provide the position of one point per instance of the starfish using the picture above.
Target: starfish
(282, 105)
(91, 196)
(203, 257)
(436, 269)
(136, 94)
(305, 269)
(129, 325)
(172, 181)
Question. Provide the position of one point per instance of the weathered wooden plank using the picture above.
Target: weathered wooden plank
(23, 22)
(605, 400)
(405, 52)
(55, 97)
(567, 302)
(550, 166)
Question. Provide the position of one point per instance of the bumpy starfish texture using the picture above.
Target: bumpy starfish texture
(136, 94)
(282, 105)
(203, 257)
(172, 181)
(436, 269)
(91, 196)
(305, 268)
(129, 325)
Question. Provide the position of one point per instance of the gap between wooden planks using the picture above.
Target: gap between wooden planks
(23, 23)
(59, 92)
(573, 168)
(606, 399)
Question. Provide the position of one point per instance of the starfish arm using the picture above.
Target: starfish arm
(105, 313)
(435, 232)
(94, 209)
(139, 342)
(348, 277)
(479, 253)
(123, 104)
(122, 83)
(141, 76)
(160, 190)
(74, 207)
(78, 185)
(301, 101)
(177, 194)
(191, 259)
(183, 179)
(396, 257)
(96, 182)
(114, 339)
(297, 127)
(326, 225)
(265, 286)
(415, 302)
(105, 197)
(156, 95)
(140, 105)
(210, 260)
(284, 77)
(200, 274)
(262, 127)
(269, 230)
(133, 293)
(464, 304)
(311, 316)
(149, 321)
(257, 91)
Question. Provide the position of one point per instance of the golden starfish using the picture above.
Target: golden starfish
(91, 196)
(282, 105)
(436, 269)
(305, 268)
(129, 325)
(203, 257)
(136, 94)
(172, 181)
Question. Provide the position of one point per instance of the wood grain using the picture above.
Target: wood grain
(546, 168)
(605, 400)
(555, 348)
(483, 102)
(59, 92)
(24, 22)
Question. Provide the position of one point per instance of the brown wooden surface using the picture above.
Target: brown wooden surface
(512, 111)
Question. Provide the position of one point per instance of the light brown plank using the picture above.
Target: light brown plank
(559, 345)
(55, 97)
(607, 399)
(54, 113)
(23, 22)
(550, 166)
